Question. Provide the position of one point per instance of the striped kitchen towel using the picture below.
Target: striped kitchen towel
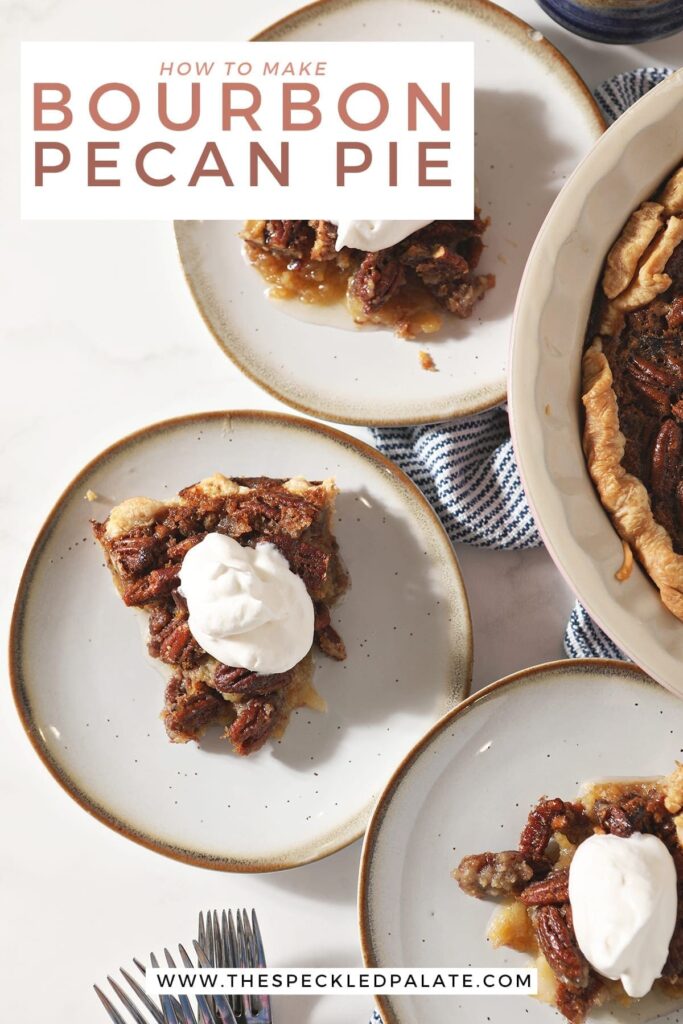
(467, 468)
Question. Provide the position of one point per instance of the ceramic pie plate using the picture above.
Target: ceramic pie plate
(535, 119)
(90, 698)
(467, 787)
(626, 166)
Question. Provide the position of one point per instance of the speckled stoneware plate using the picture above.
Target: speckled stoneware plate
(626, 166)
(90, 698)
(467, 787)
(534, 121)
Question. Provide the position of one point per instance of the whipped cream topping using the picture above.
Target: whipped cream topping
(623, 897)
(373, 235)
(247, 608)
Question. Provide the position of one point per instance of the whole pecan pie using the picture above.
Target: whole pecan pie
(145, 542)
(633, 388)
(532, 883)
(405, 287)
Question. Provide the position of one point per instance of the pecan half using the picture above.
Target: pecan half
(648, 379)
(157, 583)
(254, 723)
(548, 817)
(554, 888)
(377, 278)
(558, 945)
(493, 874)
(649, 371)
(176, 551)
(177, 646)
(134, 554)
(327, 637)
(242, 681)
(306, 560)
(614, 820)
(190, 707)
(666, 459)
(575, 1004)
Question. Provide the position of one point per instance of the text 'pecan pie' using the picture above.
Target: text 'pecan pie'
(267, 526)
(405, 285)
(539, 884)
(633, 388)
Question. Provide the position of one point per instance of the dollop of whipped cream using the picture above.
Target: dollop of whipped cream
(373, 235)
(246, 607)
(623, 897)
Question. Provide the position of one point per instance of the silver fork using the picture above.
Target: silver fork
(169, 1010)
(224, 943)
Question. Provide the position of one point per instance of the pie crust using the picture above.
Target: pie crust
(635, 277)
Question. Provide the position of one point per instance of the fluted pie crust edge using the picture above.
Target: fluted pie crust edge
(634, 276)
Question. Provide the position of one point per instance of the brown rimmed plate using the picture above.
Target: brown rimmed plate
(89, 698)
(535, 119)
(467, 786)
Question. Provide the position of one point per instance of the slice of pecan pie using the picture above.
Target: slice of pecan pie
(633, 388)
(532, 883)
(145, 542)
(405, 287)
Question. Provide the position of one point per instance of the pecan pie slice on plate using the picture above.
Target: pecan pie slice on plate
(145, 542)
(633, 389)
(406, 286)
(533, 880)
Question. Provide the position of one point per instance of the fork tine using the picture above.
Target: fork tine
(261, 962)
(258, 940)
(218, 944)
(223, 1009)
(211, 938)
(228, 941)
(142, 996)
(114, 1015)
(249, 941)
(224, 940)
(241, 944)
(181, 1005)
(127, 1002)
(201, 930)
(232, 940)
(250, 958)
(205, 1014)
(166, 1001)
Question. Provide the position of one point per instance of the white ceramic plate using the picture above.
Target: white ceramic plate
(534, 121)
(90, 698)
(467, 787)
(625, 167)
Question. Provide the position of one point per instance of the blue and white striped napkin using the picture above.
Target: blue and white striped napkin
(467, 468)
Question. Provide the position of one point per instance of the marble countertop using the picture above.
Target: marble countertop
(99, 335)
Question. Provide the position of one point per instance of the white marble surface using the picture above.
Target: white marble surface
(99, 335)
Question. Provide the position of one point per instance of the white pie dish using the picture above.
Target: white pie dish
(626, 166)
(90, 698)
(369, 376)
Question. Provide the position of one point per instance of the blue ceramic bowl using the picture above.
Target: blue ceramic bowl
(617, 21)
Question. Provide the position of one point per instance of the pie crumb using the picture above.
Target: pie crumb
(626, 569)
(426, 361)
(546, 409)
(91, 495)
